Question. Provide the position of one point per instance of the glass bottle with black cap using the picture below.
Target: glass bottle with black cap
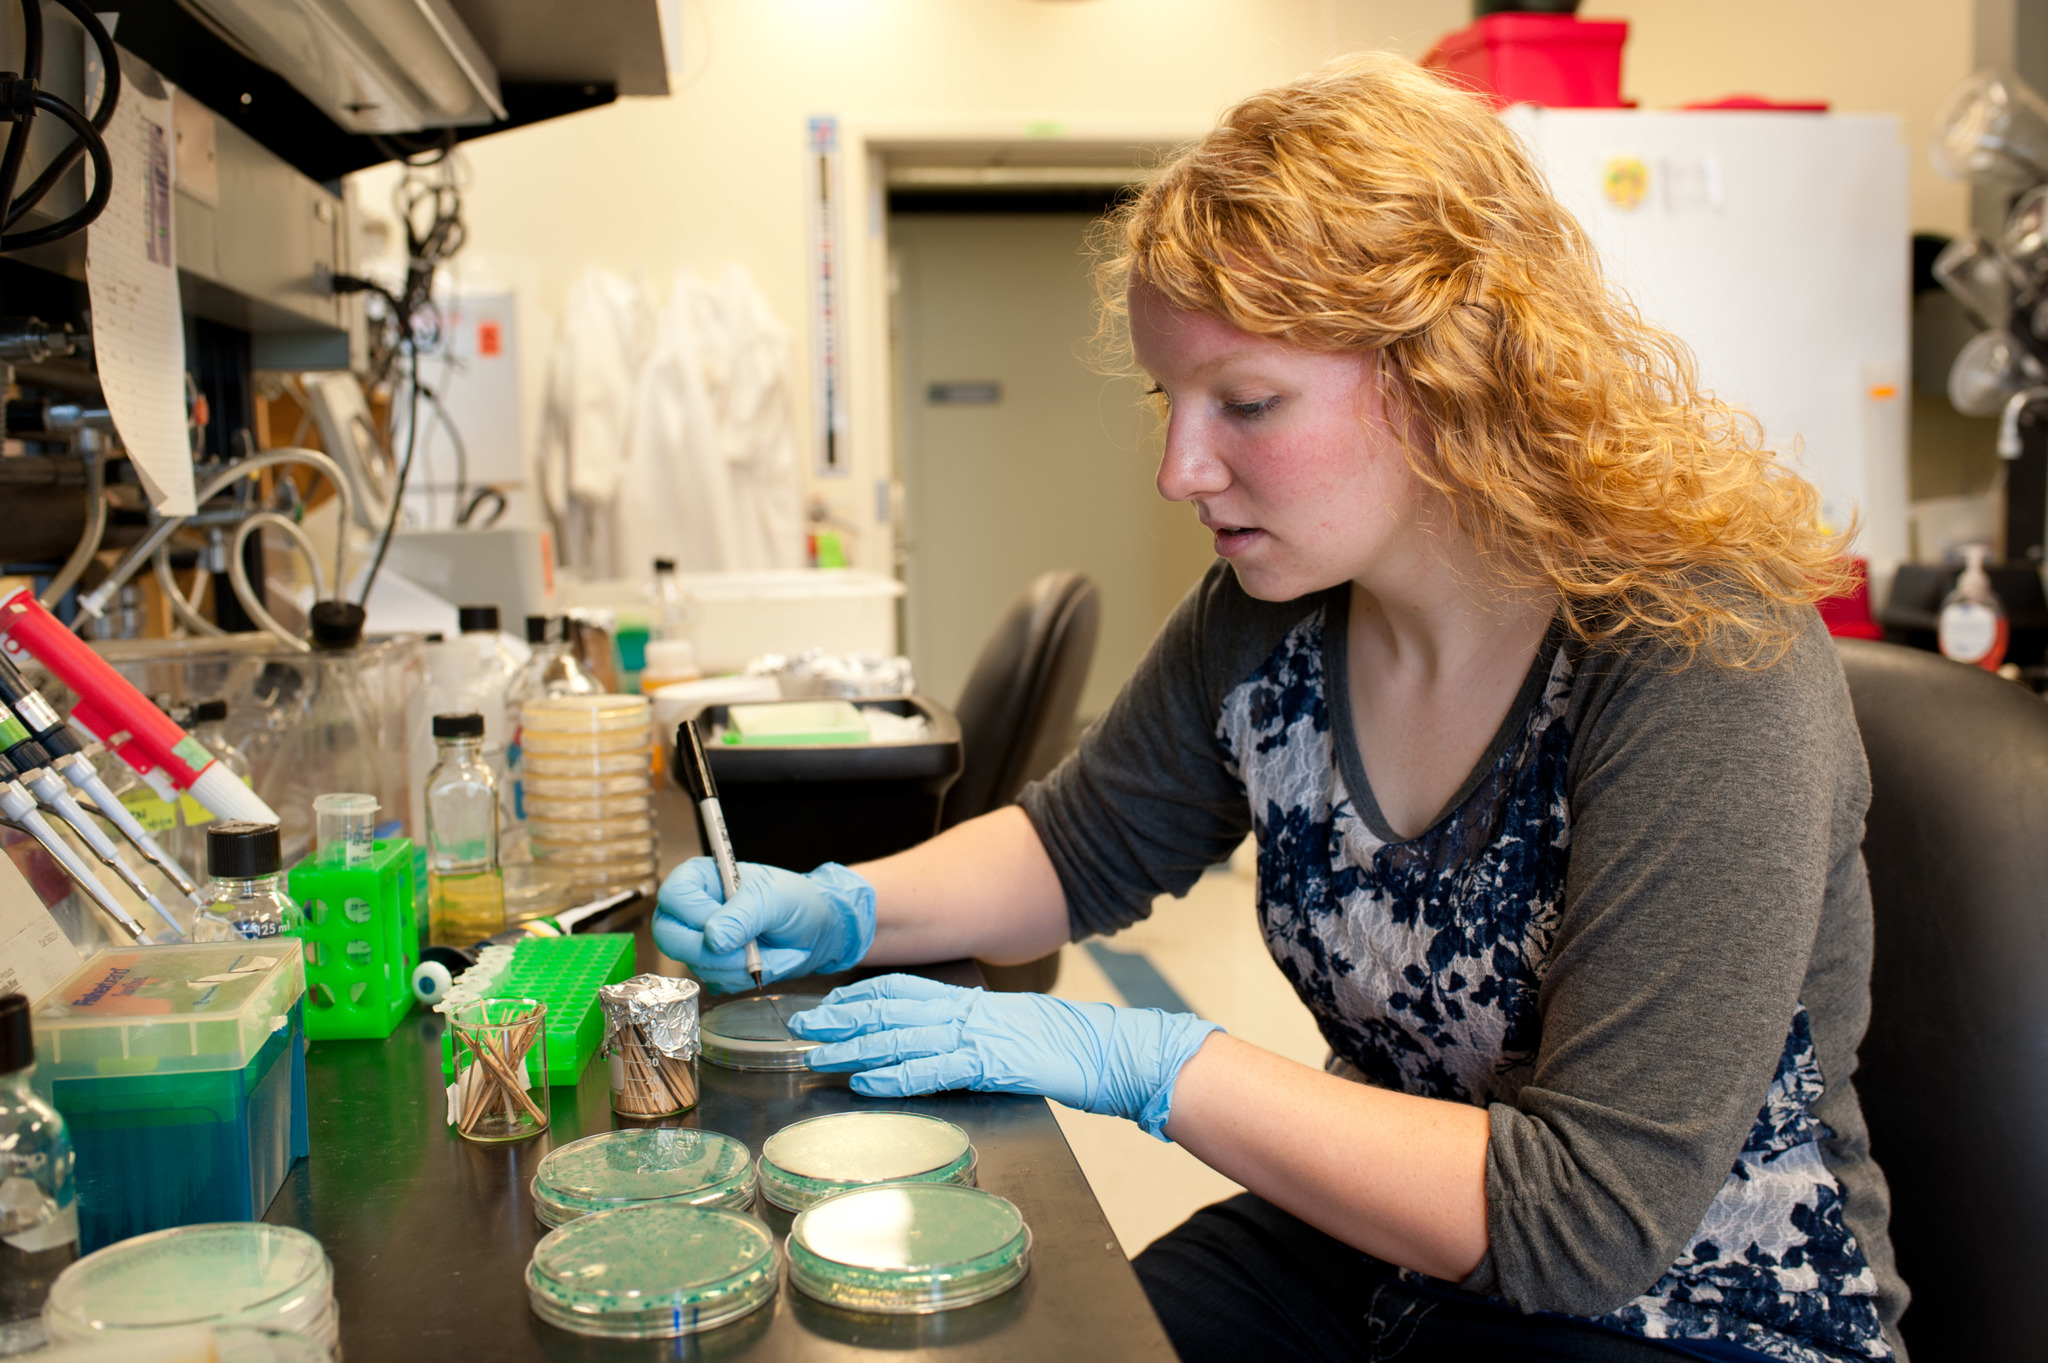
(38, 1200)
(465, 884)
(333, 746)
(246, 897)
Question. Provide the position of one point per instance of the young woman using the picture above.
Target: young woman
(1510, 667)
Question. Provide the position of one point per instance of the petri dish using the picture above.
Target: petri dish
(753, 1034)
(584, 714)
(653, 1271)
(635, 782)
(641, 1166)
(909, 1248)
(532, 890)
(540, 742)
(571, 830)
(586, 766)
(219, 1273)
(593, 853)
(616, 807)
(808, 1161)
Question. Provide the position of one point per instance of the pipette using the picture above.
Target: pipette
(32, 768)
(113, 711)
(18, 807)
(67, 756)
(696, 770)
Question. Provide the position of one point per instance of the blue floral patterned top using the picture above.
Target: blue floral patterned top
(1428, 963)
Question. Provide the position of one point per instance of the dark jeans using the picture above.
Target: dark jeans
(1243, 1279)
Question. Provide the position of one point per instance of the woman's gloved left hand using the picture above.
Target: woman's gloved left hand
(905, 1034)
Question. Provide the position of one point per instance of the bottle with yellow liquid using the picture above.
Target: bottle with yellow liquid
(465, 886)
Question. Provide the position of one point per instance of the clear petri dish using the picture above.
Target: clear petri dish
(614, 807)
(541, 742)
(652, 1271)
(635, 782)
(753, 1034)
(908, 1248)
(579, 830)
(584, 714)
(808, 1161)
(640, 1166)
(576, 852)
(532, 890)
(219, 1273)
(583, 766)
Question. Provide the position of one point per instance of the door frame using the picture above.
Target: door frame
(869, 495)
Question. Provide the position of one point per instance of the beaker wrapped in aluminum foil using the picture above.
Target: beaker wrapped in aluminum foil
(651, 1039)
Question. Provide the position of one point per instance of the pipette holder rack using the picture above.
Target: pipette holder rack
(565, 973)
(362, 941)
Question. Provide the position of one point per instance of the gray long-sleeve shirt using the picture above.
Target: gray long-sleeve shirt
(1640, 936)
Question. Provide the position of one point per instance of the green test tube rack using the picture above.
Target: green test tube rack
(362, 941)
(564, 973)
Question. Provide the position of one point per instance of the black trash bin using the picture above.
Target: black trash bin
(798, 805)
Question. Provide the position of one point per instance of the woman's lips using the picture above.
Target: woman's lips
(1232, 540)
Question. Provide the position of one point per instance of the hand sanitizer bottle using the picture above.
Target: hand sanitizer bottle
(1973, 627)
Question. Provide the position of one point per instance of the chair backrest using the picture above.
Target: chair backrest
(1953, 1072)
(1017, 708)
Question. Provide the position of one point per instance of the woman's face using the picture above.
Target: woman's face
(1284, 452)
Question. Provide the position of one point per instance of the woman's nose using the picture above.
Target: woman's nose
(1189, 469)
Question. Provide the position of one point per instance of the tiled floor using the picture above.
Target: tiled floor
(1208, 948)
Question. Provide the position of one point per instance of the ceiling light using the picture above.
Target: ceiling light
(373, 66)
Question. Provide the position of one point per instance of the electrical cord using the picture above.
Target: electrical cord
(20, 98)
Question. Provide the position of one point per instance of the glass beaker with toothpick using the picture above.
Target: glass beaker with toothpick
(500, 1091)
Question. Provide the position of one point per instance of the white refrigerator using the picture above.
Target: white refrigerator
(1776, 245)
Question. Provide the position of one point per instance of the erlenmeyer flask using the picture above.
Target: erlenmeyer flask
(1993, 127)
(1985, 374)
(1969, 269)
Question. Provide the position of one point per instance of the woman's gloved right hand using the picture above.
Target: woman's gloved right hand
(810, 924)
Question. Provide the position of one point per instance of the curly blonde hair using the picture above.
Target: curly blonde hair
(1371, 206)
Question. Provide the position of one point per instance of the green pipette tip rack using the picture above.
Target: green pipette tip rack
(564, 973)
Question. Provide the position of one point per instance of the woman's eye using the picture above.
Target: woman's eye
(1250, 410)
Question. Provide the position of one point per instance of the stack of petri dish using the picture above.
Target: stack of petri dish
(586, 769)
(809, 1161)
(240, 1274)
(753, 1033)
(642, 1166)
(653, 1271)
(909, 1248)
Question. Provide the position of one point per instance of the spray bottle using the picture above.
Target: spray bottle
(1973, 628)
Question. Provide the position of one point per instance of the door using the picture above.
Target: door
(1018, 455)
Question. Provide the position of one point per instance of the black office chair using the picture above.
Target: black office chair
(1016, 715)
(1953, 1073)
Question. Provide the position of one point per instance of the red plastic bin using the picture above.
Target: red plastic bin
(1553, 59)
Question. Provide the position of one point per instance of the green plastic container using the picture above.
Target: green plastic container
(362, 939)
(565, 973)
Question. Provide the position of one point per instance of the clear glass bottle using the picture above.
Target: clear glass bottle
(38, 1199)
(465, 884)
(334, 744)
(670, 604)
(553, 669)
(246, 898)
(207, 723)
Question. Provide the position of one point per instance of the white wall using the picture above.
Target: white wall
(715, 173)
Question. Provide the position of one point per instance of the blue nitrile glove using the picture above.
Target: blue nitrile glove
(806, 924)
(911, 1035)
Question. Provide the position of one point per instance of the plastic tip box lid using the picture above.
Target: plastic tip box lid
(157, 1010)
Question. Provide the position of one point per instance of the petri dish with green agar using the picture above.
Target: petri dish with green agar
(909, 1248)
(753, 1033)
(810, 1160)
(641, 1166)
(221, 1273)
(653, 1271)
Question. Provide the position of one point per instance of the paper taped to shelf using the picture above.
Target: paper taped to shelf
(35, 955)
(138, 327)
